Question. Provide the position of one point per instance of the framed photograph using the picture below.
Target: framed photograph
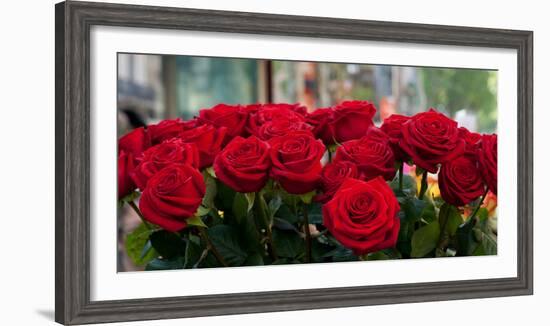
(217, 162)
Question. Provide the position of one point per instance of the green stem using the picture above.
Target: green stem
(210, 246)
(423, 185)
(138, 212)
(329, 155)
(261, 209)
(478, 206)
(401, 177)
(308, 234)
(443, 235)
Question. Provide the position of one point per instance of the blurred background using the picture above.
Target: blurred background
(156, 87)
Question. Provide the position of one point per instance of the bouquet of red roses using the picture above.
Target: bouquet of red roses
(268, 184)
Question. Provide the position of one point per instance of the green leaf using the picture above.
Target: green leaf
(274, 205)
(379, 255)
(284, 212)
(158, 264)
(193, 252)
(226, 240)
(341, 254)
(210, 195)
(487, 244)
(135, 244)
(128, 198)
(211, 172)
(412, 208)
(167, 244)
(284, 225)
(250, 200)
(425, 239)
(288, 244)
(409, 186)
(254, 259)
(466, 242)
(196, 221)
(224, 197)
(318, 250)
(314, 213)
(202, 211)
(307, 197)
(482, 214)
(486, 238)
(450, 217)
(241, 205)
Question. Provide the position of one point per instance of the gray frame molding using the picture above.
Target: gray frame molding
(72, 180)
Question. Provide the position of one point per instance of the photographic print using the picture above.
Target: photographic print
(308, 160)
(228, 162)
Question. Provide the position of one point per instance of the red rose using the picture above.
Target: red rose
(164, 130)
(159, 156)
(208, 139)
(393, 126)
(352, 119)
(232, 117)
(488, 159)
(460, 181)
(332, 176)
(430, 138)
(244, 164)
(362, 216)
(471, 140)
(281, 127)
(125, 167)
(372, 154)
(321, 121)
(134, 142)
(130, 149)
(296, 159)
(172, 195)
(259, 114)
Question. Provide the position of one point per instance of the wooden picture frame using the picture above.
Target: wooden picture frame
(72, 100)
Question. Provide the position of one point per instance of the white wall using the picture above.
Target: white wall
(27, 160)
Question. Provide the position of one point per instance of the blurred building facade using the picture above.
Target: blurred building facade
(155, 87)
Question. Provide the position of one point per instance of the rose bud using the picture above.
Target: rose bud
(393, 126)
(371, 153)
(296, 161)
(244, 164)
(172, 195)
(362, 216)
(351, 119)
(430, 138)
(487, 156)
(460, 181)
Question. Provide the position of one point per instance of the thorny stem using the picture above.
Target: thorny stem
(138, 212)
(423, 185)
(478, 206)
(211, 247)
(308, 234)
(262, 212)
